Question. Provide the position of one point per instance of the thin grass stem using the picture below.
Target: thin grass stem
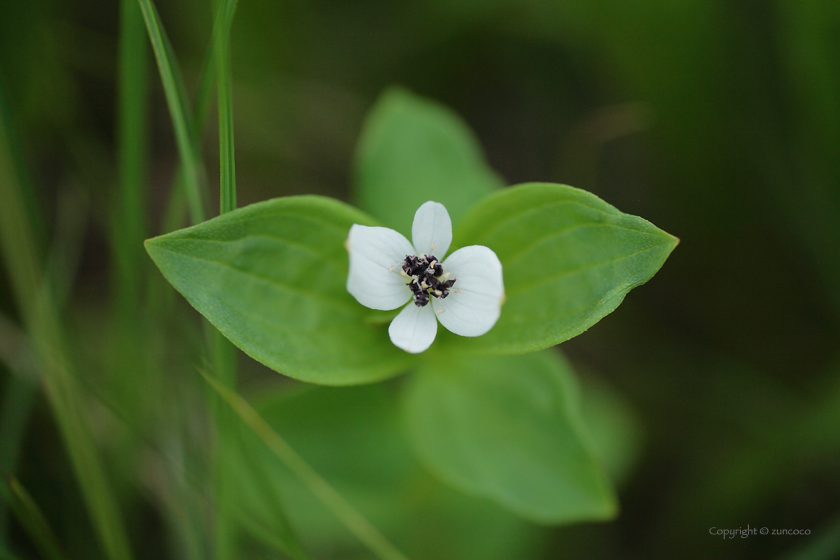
(179, 111)
(32, 519)
(227, 165)
(34, 300)
(129, 219)
(354, 521)
(224, 351)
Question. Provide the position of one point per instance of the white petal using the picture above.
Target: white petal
(475, 301)
(414, 329)
(373, 253)
(431, 230)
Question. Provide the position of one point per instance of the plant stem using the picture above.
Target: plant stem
(355, 522)
(224, 351)
(176, 99)
(34, 299)
(129, 223)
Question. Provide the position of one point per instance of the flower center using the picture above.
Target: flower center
(427, 278)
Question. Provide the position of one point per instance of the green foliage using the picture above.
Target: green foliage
(413, 150)
(223, 351)
(179, 111)
(221, 48)
(34, 298)
(32, 519)
(259, 503)
(508, 428)
(271, 278)
(716, 119)
(129, 220)
(353, 437)
(319, 487)
(569, 259)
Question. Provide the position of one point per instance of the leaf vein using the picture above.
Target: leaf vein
(571, 272)
(559, 233)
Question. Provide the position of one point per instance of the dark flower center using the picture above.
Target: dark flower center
(427, 278)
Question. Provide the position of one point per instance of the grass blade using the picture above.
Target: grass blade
(224, 364)
(179, 111)
(355, 522)
(160, 295)
(34, 300)
(32, 520)
(225, 353)
(18, 400)
(175, 205)
(227, 166)
(129, 224)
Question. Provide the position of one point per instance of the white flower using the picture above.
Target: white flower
(465, 292)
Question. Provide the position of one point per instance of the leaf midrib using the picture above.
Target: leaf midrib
(578, 270)
(570, 229)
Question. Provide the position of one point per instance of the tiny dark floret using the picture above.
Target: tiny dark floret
(425, 273)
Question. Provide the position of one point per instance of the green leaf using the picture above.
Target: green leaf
(569, 259)
(413, 150)
(377, 543)
(507, 428)
(354, 438)
(271, 277)
(350, 436)
(254, 498)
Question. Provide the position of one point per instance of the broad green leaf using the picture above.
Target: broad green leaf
(507, 428)
(413, 150)
(353, 437)
(271, 277)
(569, 259)
(367, 534)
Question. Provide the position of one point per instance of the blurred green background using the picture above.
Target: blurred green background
(717, 121)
